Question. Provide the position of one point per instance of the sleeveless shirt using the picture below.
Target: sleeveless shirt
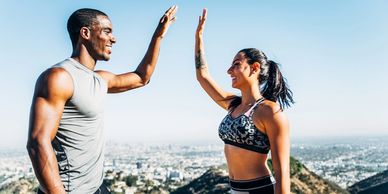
(79, 142)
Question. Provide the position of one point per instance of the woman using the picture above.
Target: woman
(255, 123)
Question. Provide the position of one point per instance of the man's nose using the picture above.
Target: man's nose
(113, 39)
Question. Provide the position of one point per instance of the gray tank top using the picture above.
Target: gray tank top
(79, 142)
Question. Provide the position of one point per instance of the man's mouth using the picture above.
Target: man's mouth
(109, 48)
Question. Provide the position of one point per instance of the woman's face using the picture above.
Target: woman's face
(241, 72)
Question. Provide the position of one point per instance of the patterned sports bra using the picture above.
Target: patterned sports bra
(242, 132)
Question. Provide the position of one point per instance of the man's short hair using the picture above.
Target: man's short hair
(85, 17)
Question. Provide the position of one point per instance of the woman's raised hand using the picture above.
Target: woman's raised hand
(201, 24)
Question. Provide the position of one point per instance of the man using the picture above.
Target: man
(65, 139)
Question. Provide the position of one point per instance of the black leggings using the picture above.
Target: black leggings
(102, 190)
(262, 185)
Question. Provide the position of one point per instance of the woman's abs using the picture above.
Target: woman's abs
(245, 164)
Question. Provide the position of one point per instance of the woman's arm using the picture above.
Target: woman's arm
(221, 97)
(273, 120)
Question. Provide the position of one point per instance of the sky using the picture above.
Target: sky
(334, 55)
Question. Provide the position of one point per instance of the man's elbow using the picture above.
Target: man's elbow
(32, 147)
(146, 81)
(145, 78)
(141, 83)
(35, 144)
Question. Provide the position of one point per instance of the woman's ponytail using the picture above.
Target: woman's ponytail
(274, 85)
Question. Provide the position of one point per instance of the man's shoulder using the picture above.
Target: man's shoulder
(56, 74)
(64, 63)
(55, 79)
(56, 71)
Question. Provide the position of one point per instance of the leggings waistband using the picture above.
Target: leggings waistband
(252, 184)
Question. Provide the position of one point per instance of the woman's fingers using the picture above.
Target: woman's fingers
(204, 12)
(201, 23)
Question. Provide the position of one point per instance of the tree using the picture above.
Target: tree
(131, 180)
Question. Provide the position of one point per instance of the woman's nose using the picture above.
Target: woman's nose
(229, 71)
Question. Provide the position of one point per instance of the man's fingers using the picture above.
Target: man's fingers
(175, 9)
(169, 16)
(173, 19)
(163, 19)
(171, 10)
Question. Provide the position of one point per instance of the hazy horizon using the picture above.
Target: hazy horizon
(216, 141)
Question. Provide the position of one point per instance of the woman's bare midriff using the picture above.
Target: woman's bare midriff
(245, 164)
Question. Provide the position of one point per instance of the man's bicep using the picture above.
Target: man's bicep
(52, 91)
(44, 119)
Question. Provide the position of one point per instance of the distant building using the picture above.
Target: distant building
(175, 175)
(139, 165)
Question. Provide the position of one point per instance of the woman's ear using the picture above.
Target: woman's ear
(255, 67)
(85, 33)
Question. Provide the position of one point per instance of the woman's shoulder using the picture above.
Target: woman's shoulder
(269, 115)
(268, 111)
(268, 107)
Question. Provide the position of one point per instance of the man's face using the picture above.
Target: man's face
(101, 39)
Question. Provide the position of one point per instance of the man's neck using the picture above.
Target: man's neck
(84, 58)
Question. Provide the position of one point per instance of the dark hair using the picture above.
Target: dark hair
(85, 17)
(273, 85)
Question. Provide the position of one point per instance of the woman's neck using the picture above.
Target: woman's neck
(250, 94)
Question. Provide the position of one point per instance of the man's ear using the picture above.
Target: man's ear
(85, 33)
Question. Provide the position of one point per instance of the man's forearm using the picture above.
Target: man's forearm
(148, 63)
(46, 167)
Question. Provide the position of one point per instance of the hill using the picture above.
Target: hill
(215, 181)
(21, 186)
(377, 184)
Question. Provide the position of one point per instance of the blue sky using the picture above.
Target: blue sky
(333, 53)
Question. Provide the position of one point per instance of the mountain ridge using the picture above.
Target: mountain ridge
(374, 184)
(216, 181)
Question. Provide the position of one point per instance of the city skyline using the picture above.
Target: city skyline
(333, 54)
(344, 162)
